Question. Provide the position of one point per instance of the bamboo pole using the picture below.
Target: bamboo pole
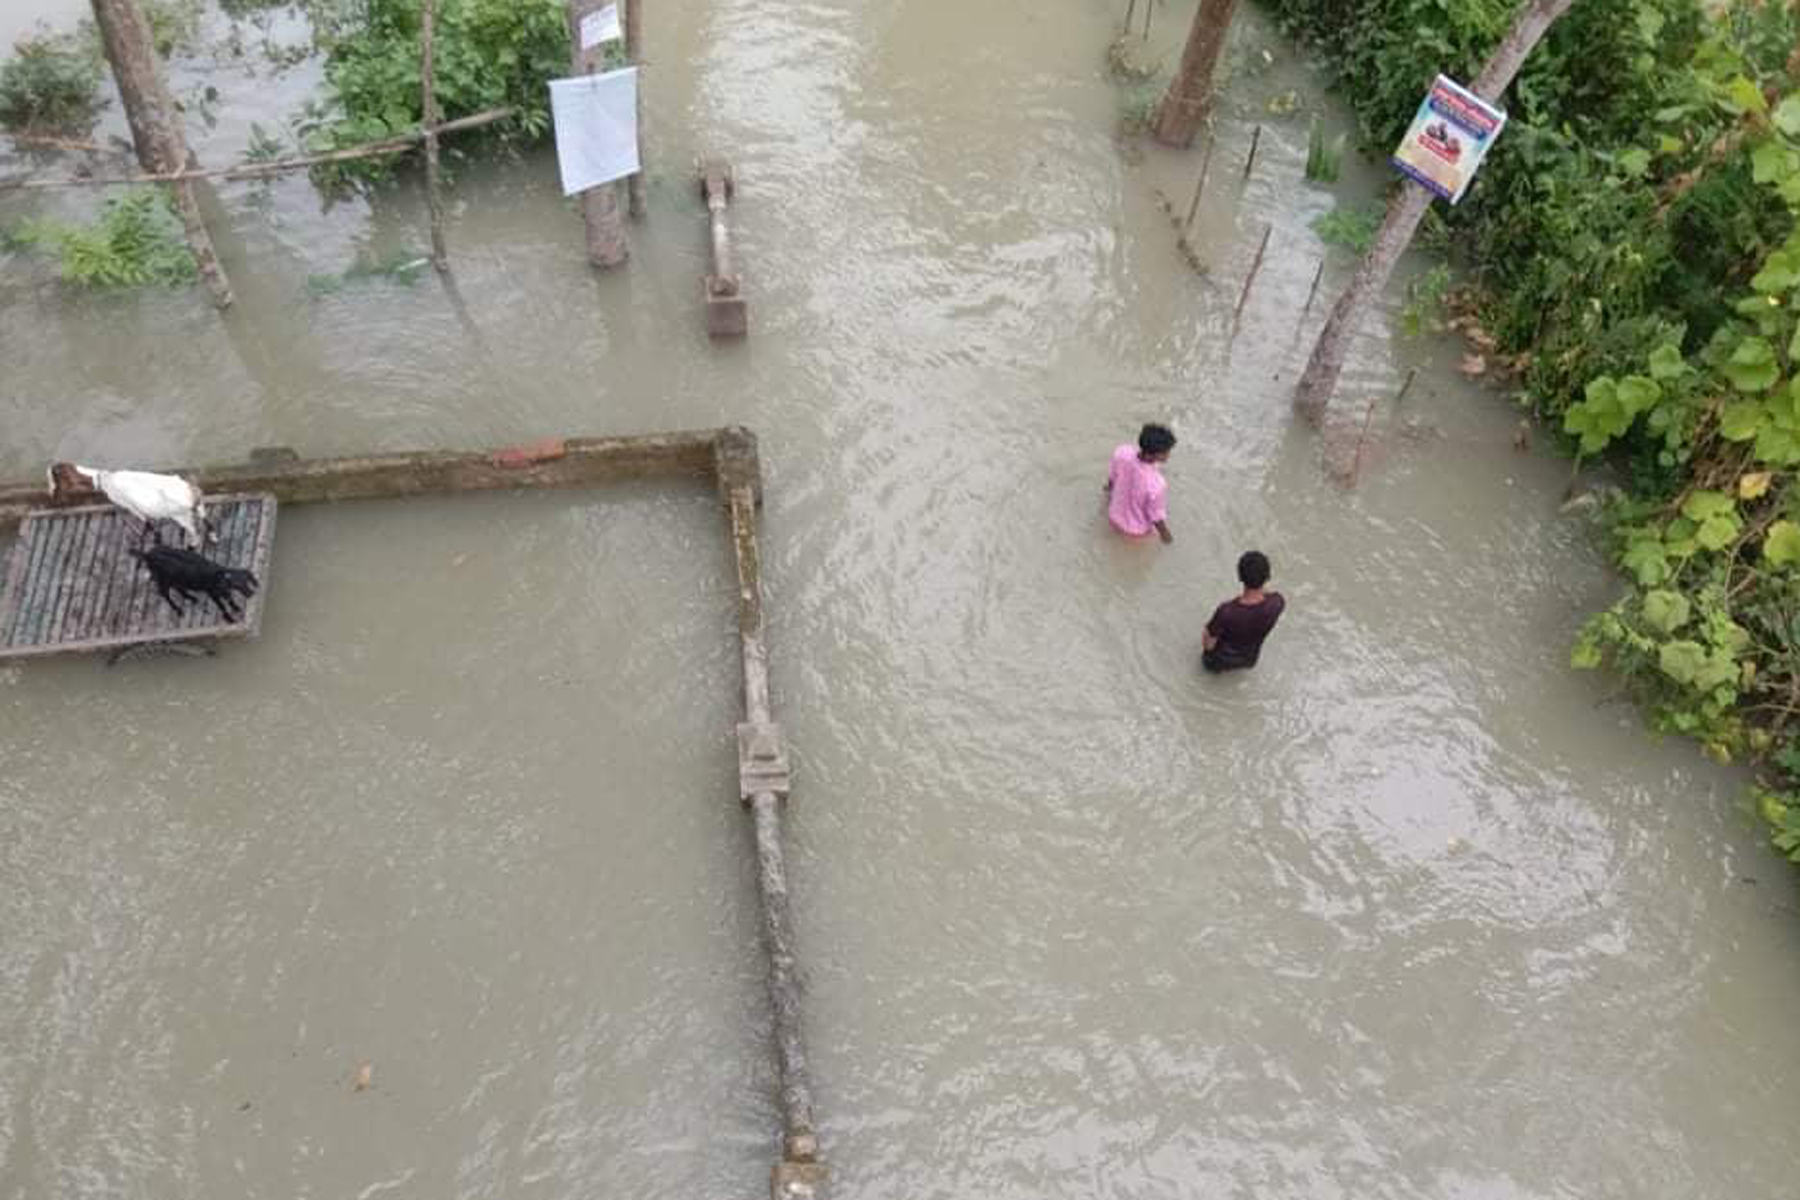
(1250, 159)
(634, 53)
(249, 170)
(428, 119)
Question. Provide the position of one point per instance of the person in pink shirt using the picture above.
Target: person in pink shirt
(1137, 493)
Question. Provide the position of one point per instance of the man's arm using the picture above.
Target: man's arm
(1209, 639)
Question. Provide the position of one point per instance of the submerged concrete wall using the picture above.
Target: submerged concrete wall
(730, 457)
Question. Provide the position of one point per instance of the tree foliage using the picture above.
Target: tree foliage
(487, 54)
(1633, 240)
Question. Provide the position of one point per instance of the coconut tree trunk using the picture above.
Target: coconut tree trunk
(1407, 206)
(1189, 97)
(155, 131)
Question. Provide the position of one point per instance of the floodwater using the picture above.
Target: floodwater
(1411, 911)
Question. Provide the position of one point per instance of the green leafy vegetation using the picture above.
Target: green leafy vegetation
(488, 54)
(1353, 229)
(401, 266)
(1631, 244)
(51, 84)
(137, 240)
(1324, 160)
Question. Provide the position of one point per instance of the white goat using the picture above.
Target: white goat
(144, 494)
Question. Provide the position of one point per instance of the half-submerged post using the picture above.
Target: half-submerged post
(727, 314)
(1404, 212)
(155, 132)
(764, 782)
(606, 245)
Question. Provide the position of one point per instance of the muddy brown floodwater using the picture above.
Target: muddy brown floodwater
(1411, 911)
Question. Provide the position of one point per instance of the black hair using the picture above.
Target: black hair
(1155, 439)
(1253, 568)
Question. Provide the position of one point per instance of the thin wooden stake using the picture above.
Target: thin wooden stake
(1255, 266)
(428, 115)
(1411, 374)
(1362, 439)
(1130, 12)
(1199, 186)
(1149, 8)
(1250, 160)
(1313, 291)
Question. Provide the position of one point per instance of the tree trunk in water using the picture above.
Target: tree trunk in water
(1313, 394)
(634, 51)
(1190, 93)
(155, 134)
(606, 246)
(428, 117)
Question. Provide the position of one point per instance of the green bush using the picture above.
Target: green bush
(488, 53)
(137, 240)
(1631, 245)
(50, 85)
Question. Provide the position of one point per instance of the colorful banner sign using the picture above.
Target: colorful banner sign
(1449, 136)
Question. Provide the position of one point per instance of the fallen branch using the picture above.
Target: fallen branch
(393, 145)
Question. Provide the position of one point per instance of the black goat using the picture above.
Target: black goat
(184, 571)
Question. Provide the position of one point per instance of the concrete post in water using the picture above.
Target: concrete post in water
(1404, 212)
(764, 782)
(606, 245)
(1189, 97)
(155, 132)
(727, 314)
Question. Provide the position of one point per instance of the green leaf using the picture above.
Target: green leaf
(1780, 272)
(1703, 504)
(1637, 393)
(1634, 162)
(1741, 420)
(1742, 96)
(1665, 611)
(1771, 162)
(1644, 558)
(1681, 661)
(1716, 533)
(1666, 361)
(1781, 545)
(1751, 367)
(1787, 115)
(1586, 654)
(1778, 446)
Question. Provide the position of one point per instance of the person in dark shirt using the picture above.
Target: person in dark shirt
(1234, 636)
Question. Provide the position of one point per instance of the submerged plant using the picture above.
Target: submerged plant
(1324, 161)
(50, 83)
(137, 240)
(401, 265)
(1425, 302)
(1353, 229)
